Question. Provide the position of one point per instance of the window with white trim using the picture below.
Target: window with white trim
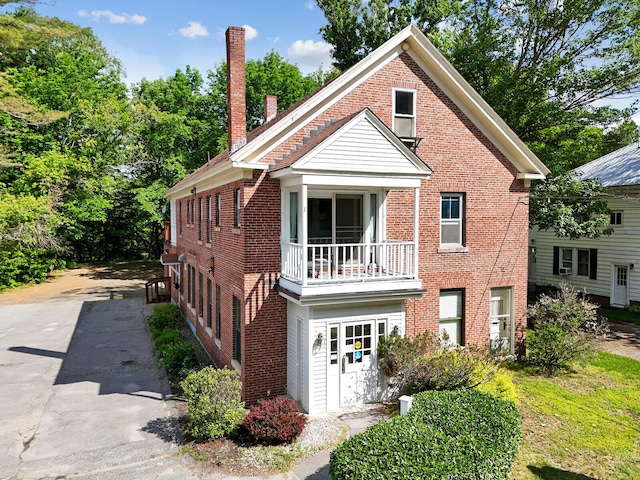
(567, 258)
(404, 116)
(451, 317)
(583, 263)
(218, 209)
(451, 217)
(236, 207)
(237, 329)
(616, 218)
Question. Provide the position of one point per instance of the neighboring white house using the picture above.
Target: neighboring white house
(607, 267)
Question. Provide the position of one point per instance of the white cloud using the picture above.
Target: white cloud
(309, 4)
(96, 15)
(193, 30)
(249, 32)
(309, 55)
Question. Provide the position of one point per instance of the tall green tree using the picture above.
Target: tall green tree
(546, 67)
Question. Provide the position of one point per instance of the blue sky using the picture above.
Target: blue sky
(153, 38)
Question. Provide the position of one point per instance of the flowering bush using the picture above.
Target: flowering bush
(275, 420)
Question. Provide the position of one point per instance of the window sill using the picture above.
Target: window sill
(218, 343)
(236, 231)
(209, 331)
(453, 249)
(236, 366)
(208, 244)
(201, 320)
(216, 229)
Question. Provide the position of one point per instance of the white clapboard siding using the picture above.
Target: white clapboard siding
(620, 248)
(292, 358)
(361, 148)
(319, 367)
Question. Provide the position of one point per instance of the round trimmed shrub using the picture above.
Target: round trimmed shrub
(214, 404)
(275, 420)
(464, 434)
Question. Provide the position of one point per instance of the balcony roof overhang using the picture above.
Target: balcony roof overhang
(350, 297)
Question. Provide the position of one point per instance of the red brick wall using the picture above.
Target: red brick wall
(496, 218)
(236, 85)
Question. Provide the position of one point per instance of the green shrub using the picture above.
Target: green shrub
(421, 363)
(214, 405)
(501, 386)
(165, 337)
(564, 327)
(165, 316)
(178, 358)
(464, 434)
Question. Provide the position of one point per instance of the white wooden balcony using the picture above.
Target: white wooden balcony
(329, 268)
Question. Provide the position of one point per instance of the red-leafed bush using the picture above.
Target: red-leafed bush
(275, 420)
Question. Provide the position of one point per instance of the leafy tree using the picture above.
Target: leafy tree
(542, 65)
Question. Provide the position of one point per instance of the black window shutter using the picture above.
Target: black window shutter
(556, 260)
(593, 263)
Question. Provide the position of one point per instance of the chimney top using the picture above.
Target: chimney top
(270, 107)
(236, 89)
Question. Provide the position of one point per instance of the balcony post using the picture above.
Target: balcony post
(304, 233)
(416, 229)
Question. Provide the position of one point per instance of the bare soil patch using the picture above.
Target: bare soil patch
(109, 280)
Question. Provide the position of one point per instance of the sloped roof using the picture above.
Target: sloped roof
(616, 169)
(379, 150)
(412, 41)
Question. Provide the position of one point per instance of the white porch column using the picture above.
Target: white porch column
(305, 233)
(416, 229)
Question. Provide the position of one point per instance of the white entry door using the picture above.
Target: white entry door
(500, 321)
(620, 285)
(352, 360)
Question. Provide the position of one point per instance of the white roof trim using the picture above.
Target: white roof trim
(440, 71)
(421, 170)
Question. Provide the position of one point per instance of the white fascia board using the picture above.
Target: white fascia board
(342, 179)
(422, 169)
(472, 104)
(221, 174)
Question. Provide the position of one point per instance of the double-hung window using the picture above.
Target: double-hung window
(237, 329)
(567, 258)
(208, 218)
(404, 113)
(236, 208)
(199, 219)
(209, 304)
(451, 313)
(451, 218)
(583, 263)
(218, 312)
(218, 209)
(616, 218)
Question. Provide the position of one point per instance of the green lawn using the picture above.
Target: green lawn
(581, 425)
(629, 315)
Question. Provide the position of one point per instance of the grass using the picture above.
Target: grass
(582, 425)
(627, 314)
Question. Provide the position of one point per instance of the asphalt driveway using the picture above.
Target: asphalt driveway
(81, 396)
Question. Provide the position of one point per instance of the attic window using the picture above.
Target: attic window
(404, 119)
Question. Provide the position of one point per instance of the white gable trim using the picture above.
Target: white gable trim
(440, 71)
(371, 158)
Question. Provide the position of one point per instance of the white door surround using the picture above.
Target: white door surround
(620, 285)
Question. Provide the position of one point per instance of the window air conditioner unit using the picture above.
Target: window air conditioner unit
(565, 270)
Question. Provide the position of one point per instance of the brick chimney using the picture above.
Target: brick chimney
(270, 107)
(236, 89)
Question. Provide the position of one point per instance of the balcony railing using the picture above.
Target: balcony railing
(325, 262)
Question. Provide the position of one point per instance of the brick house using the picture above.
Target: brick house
(393, 199)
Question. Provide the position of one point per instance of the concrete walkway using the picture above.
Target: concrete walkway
(357, 420)
(624, 340)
